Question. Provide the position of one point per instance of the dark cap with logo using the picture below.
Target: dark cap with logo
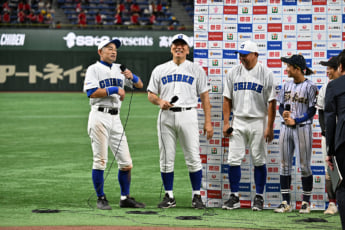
(332, 62)
(298, 61)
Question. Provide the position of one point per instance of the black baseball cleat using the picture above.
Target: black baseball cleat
(232, 203)
(167, 202)
(102, 203)
(130, 202)
(197, 202)
(258, 203)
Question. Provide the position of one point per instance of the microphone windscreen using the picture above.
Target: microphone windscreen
(123, 68)
(173, 100)
(287, 107)
(229, 131)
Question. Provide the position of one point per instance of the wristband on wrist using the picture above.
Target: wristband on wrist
(112, 90)
(135, 79)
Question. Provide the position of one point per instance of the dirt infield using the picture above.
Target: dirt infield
(108, 228)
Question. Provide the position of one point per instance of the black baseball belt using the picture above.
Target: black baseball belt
(112, 111)
(293, 126)
(179, 109)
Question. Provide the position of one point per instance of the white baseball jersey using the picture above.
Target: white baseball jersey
(320, 104)
(249, 90)
(187, 81)
(105, 129)
(99, 75)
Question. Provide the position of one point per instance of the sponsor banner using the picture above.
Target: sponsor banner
(230, 19)
(313, 29)
(213, 177)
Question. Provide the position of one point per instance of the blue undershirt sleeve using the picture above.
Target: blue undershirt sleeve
(89, 92)
(306, 116)
(281, 109)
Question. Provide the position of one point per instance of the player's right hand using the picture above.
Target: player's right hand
(165, 105)
(225, 129)
(329, 162)
(121, 93)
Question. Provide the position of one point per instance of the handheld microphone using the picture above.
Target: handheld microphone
(123, 67)
(229, 131)
(173, 99)
(287, 107)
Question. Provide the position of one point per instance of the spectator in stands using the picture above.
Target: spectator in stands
(21, 16)
(58, 25)
(49, 18)
(82, 19)
(173, 21)
(41, 5)
(135, 19)
(6, 6)
(78, 7)
(98, 19)
(152, 8)
(181, 27)
(135, 8)
(152, 19)
(50, 12)
(20, 6)
(40, 17)
(118, 19)
(27, 7)
(6, 18)
(32, 17)
(159, 9)
(120, 8)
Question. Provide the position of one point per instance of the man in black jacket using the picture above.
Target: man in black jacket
(332, 73)
(335, 129)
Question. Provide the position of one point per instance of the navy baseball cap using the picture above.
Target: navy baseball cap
(103, 43)
(332, 62)
(297, 61)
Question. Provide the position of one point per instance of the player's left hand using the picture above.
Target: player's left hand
(268, 135)
(208, 129)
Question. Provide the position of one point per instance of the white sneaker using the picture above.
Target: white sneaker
(283, 207)
(332, 209)
(305, 208)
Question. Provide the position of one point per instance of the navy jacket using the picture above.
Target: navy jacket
(335, 114)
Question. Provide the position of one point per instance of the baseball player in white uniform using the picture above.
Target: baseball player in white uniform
(297, 100)
(104, 85)
(175, 86)
(332, 73)
(249, 93)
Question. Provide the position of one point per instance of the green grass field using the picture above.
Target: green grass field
(46, 159)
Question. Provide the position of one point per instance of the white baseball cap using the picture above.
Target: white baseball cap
(248, 47)
(103, 43)
(182, 37)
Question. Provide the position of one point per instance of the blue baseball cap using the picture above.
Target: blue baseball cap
(103, 43)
